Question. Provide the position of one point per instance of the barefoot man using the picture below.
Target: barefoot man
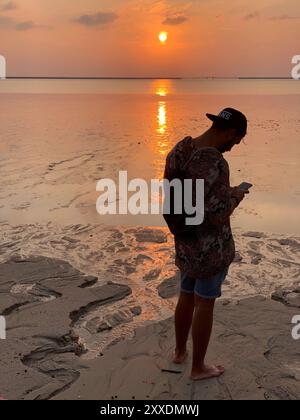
(205, 252)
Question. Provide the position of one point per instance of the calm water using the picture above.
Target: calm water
(58, 137)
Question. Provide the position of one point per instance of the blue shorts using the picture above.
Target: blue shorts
(207, 288)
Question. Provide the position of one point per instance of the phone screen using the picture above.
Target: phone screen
(245, 186)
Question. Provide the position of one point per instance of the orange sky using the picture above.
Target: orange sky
(120, 37)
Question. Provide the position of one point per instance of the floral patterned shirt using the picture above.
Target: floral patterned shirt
(210, 249)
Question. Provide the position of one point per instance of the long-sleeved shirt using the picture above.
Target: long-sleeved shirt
(210, 248)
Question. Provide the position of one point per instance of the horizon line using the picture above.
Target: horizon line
(151, 78)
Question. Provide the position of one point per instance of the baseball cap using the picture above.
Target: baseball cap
(231, 118)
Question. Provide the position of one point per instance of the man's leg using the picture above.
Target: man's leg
(183, 322)
(202, 329)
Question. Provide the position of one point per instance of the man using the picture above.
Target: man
(205, 252)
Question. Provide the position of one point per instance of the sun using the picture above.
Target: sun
(163, 37)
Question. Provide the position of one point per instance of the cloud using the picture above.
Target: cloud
(252, 16)
(5, 21)
(25, 26)
(175, 20)
(97, 19)
(10, 5)
(285, 17)
(257, 15)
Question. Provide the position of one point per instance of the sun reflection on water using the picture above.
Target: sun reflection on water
(162, 89)
(161, 92)
(162, 118)
(162, 146)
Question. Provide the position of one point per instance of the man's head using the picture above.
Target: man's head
(230, 126)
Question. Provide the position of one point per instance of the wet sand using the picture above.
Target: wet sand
(56, 147)
(61, 321)
(251, 339)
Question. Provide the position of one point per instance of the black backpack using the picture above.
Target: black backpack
(177, 222)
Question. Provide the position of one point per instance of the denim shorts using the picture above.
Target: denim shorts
(207, 288)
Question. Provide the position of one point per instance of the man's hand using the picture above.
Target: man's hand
(238, 194)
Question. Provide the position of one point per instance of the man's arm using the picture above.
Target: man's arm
(222, 201)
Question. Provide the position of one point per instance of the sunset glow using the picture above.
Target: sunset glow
(162, 88)
(149, 38)
(161, 92)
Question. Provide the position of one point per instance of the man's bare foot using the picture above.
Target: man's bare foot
(208, 372)
(180, 358)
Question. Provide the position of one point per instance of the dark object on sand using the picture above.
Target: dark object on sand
(175, 372)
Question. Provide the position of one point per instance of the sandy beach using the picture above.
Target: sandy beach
(87, 306)
(251, 337)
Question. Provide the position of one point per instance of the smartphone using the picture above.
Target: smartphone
(245, 186)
